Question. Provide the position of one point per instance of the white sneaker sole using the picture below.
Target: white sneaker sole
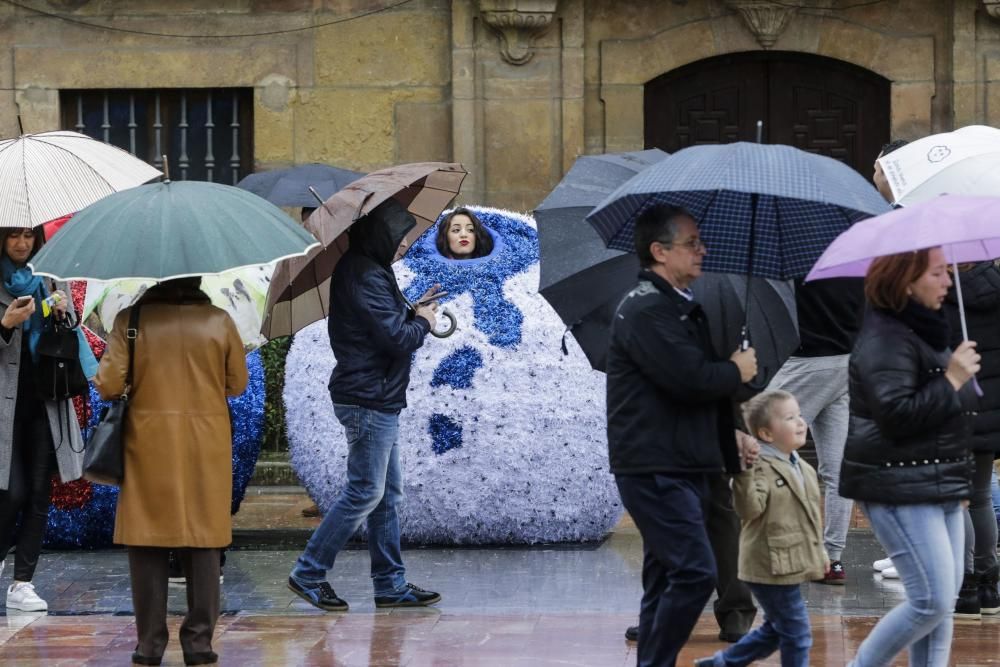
(28, 607)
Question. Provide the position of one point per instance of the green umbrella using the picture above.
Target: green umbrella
(171, 230)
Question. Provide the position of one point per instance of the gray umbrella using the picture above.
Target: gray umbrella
(290, 187)
(580, 276)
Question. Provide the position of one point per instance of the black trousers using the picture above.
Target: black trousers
(147, 568)
(734, 607)
(28, 490)
(678, 569)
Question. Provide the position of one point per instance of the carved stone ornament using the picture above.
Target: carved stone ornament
(992, 8)
(518, 23)
(766, 20)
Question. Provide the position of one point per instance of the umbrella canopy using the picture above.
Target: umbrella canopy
(300, 288)
(170, 230)
(965, 227)
(47, 175)
(578, 271)
(963, 162)
(290, 187)
(784, 203)
(241, 293)
(772, 320)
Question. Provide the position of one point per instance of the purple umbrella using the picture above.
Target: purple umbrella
(966, 228)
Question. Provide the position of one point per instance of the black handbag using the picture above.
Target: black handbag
(104, 460)
(58, 373)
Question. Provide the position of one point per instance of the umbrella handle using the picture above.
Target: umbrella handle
(452, 324)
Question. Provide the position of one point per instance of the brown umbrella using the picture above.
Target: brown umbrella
(300, 288)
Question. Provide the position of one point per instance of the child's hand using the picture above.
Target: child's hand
(748, 448)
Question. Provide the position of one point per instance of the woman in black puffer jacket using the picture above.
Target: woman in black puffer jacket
(981, 298)
(907, 461)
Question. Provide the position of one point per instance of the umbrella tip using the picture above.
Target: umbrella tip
(166, 169)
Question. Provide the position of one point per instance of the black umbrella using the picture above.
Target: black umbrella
(772, 323)
(581, 278)
(290, 187)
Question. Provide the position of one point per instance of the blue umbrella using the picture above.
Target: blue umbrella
(290, 187)
(784, 203)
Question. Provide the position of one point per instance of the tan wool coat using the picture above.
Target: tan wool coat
(189, 357)
(781, 541)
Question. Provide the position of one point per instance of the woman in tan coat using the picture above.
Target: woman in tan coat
(178, 456)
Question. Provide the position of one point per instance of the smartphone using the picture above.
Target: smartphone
(433, 297)
(22, 301)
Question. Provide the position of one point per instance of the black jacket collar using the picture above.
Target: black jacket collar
(685, 306)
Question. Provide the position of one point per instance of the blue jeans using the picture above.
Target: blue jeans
(373, 492)
(786, 627)
(927, 547)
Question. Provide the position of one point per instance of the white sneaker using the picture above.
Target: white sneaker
(890, 573)
(21, 595)
(881, 565)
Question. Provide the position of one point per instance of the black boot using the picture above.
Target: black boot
(967, 605)
(989, 598)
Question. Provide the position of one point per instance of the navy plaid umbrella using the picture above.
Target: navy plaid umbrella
(784, 203)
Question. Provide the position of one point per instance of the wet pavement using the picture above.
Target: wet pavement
(565, 605)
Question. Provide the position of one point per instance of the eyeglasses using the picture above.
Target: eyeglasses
(694, 245)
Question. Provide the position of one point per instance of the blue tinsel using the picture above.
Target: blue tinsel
(458, 368)
(92, 526)
(446, 433)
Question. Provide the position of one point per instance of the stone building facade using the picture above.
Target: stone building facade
(516, 89)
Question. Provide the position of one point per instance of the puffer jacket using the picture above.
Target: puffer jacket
(981, 298)
(372, 332)
(907, 441)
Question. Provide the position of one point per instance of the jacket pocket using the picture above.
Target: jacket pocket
(787, 553)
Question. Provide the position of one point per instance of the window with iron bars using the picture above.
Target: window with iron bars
(206, 133)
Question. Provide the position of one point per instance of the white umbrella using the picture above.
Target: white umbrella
(47, 175)
(963, 162)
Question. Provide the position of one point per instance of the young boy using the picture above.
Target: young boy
(781, 543)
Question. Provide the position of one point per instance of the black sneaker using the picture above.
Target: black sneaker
(411, 596)
(967, 604)
(322, 596)
(632, 633)
(989, 599)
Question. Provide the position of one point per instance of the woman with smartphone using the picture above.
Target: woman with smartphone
(28, 455)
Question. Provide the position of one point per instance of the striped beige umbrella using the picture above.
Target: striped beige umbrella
(50, 174)
(300, 287)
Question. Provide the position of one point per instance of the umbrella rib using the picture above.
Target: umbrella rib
(81, 160)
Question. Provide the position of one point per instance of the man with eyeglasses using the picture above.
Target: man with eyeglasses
(670, 427)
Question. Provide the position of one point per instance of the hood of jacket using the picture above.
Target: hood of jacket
(377, 235)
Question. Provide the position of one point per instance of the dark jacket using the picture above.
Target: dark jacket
(372, 332)
(829, 314)
(907, 438)
(981, 297)
(668, 396)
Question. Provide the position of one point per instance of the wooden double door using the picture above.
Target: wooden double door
(817, 104)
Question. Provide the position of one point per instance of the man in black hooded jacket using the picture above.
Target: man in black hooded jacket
(373, 334)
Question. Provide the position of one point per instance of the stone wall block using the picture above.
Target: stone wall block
(911, 110)
(397, 48)
(623, 122)
(423, 132)
(632, 61)
(518, 151)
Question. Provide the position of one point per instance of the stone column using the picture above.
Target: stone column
(517, 91)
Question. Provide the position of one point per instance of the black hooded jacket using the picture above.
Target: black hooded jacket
(981, 297)
(372, 332)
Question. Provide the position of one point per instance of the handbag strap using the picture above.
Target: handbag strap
(131, 334)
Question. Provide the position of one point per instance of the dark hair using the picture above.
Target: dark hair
(484, 242)
(656, 223)
(306, 212)
(891, 146)
(39, 238)
(889, 276)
